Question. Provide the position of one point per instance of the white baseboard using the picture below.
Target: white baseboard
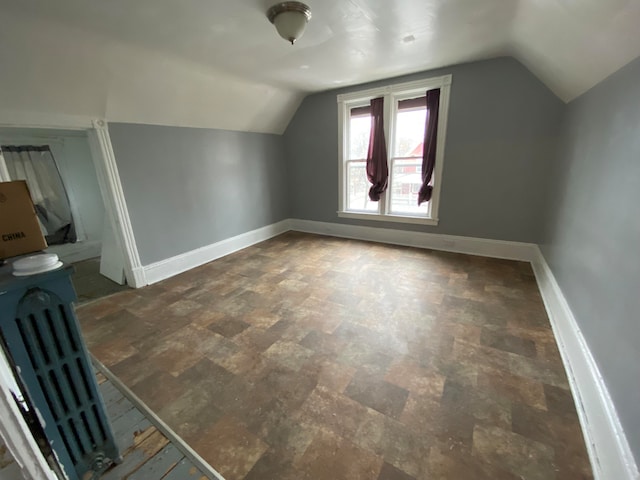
(137, 279)
(169, 267)
(609, 451)
(449, 243)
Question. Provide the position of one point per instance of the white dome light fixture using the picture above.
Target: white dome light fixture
(290, 19)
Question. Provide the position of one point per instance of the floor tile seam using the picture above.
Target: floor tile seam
(158, 423)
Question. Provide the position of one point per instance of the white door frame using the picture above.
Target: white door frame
(106, 171)
(13, 429)
(15, 432)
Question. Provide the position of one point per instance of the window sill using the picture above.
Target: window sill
(389, 218)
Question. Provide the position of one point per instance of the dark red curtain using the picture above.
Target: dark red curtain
(429, 151)
(377, 169)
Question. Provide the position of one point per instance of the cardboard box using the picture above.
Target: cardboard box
(19, 229)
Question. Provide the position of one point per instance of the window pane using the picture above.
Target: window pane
(410, 132)
(406, 180)
(358, 188)
(359, 130)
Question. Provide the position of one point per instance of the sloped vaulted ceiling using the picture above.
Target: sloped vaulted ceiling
(220, 63)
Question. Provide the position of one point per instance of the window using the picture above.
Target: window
(405, 114)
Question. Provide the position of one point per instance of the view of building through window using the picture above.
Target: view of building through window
(404, 166)
(358, 190)
(406, 163)
(405, 118)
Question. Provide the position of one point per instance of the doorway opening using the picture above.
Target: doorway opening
(65, 157)
(127, 267)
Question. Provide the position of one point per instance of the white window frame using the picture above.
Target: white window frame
(391, 94)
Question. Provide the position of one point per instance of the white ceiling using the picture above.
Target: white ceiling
(569, 44)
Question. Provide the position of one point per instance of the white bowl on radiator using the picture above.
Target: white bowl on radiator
(34, 264)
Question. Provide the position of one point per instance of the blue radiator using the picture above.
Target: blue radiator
(44, 342)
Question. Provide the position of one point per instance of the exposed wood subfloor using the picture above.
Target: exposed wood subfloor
(147, 453)
(309, 357)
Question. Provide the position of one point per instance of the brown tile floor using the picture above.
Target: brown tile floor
(308, 357)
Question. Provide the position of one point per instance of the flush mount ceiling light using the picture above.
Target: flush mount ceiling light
(290, 19)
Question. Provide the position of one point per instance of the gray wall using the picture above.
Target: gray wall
(592, 240)
(186, 187)
(501, 137)
(519, 165)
